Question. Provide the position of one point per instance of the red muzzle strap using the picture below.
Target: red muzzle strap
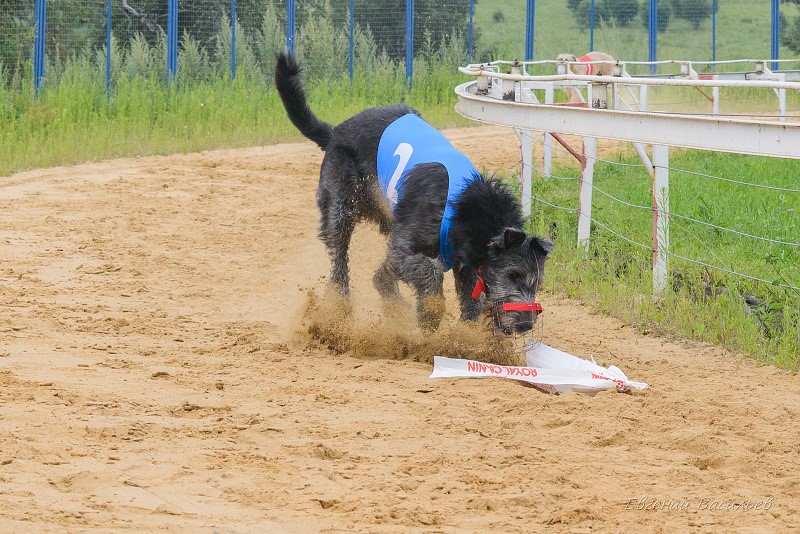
(480, 287)
(522, 306)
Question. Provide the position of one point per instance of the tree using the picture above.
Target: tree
(790, 34)
(694, 11)
(199, 19)
(16, 37)
(582, 11)
(663, 14)
(434, 20)
(790, 31)
(622, 11)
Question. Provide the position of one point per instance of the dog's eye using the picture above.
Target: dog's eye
(517, 276)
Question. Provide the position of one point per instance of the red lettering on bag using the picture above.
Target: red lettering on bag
(619, 384)
(521, 371)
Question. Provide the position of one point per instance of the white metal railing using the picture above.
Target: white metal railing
(686, 76)
(508, 99)
(757, 67)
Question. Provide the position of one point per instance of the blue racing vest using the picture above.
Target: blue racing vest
(410, 141)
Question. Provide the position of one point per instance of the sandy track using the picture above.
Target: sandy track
(151, 380)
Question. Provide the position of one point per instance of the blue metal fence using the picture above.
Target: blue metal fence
(478, 30)
(409, 38)
(172, 40)
(291, 9)
(38, 43)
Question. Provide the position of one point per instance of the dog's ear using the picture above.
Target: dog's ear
(542, 246)
(511, 237)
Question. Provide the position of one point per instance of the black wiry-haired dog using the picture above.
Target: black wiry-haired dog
(387, 165)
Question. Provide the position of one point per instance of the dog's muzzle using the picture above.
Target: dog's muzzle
(515, 317)
(509, 317)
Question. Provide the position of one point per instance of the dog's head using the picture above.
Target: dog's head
(512, 277)
(564, 65)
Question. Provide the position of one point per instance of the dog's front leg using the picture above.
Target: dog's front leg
(465, 279)
(385, 281)
(425, 275)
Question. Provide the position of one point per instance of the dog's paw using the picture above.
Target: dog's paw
(430, 310)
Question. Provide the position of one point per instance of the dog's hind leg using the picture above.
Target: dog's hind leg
(466, 279)
(339, 215)
(336, 235)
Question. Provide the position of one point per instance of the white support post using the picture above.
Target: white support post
(640, 150)
(547, 148)
(496, 89)
(585, 202)
(782, 103)
(526, 161)
(548, 94)
(643, 97)
(547, 155)
(660, 218)
(508, 89)
(600, 95)
(633, 98)
(715, 104)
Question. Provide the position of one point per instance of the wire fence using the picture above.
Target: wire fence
(193, 40)
(726, 225)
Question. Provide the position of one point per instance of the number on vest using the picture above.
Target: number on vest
(404, 150)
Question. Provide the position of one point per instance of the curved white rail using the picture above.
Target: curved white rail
(762, 138)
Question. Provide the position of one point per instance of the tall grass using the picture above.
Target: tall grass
(75, 120)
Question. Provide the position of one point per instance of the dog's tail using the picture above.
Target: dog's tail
(287, 80)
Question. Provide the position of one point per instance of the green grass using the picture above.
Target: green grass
(75, 121)
(706, 304)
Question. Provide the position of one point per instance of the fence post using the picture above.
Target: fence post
(527, 162)
(713, 30)
(352, 38)
(591, 26)
(38, 44)
(108, 49)
(585, 199)
(775, 32)
(652, 34)
(660, 218)
(233, 39)
(290, 13)
(547, 145)
(530, 22)
(172, 40)
(409, 40)
(470, 43)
